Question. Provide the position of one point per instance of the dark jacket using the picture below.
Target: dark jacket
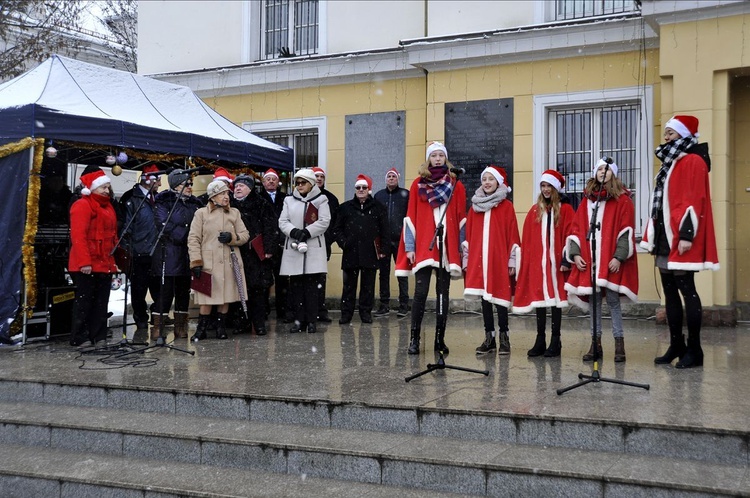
(141, 233)
(175, 234)
(277, 206)
(333, 205)
(358, 226)
(396, 202)
(259, 219)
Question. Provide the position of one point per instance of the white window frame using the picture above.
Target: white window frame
(317, 124)
(549, 7)
(542, 156)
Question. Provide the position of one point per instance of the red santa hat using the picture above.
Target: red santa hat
(365, 181)
(499, 173)
(270, 172)
(602, 162)
(223, 175)
(433, 147)
(554, 178)
(317, 170)
(394, 171)
(151, 168)
(92, 178)
(684, 125)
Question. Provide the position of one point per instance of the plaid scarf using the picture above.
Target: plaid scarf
(436, 192)
(667, 153)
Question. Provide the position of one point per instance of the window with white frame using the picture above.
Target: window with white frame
(576, 135)
(303, 142)
(289, 28)
(577, 9)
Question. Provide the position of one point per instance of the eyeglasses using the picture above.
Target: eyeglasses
(301, 182)
(189, 184)
(360, 187)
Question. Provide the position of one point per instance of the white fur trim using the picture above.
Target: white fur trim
(85, 191)
(629, 232)
(647, 242)
(552, 181)
(677, 126)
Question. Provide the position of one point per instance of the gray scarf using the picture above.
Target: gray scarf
(481, 202)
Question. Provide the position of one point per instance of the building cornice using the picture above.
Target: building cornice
(659, 13)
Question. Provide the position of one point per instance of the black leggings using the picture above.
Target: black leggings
(674, 284)
(489, 319)
(421, 288)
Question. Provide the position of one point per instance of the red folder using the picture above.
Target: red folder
(201, 284)
(311, 214)
(257, 245)
(378, 248)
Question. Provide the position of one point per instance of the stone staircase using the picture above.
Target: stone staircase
(96, 440)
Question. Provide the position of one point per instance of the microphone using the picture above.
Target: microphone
(458, 171)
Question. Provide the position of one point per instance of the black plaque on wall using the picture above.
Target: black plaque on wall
(477, 134)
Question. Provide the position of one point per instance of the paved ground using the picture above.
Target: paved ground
(368, 364)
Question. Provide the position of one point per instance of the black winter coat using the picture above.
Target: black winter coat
(141, 234)
(259, 218)
(396, 203)
(356, 230)
(175, 234)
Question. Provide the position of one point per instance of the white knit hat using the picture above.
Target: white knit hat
(433, 147)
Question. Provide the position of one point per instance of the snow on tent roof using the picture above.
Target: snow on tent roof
(66, 99)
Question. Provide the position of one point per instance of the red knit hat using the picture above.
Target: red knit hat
(554, 178)
(684, 125)
(364, 180)
(270, 172)
(499, 173)
(92, 178)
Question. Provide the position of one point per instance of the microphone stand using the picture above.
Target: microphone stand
(441, 311)
(591, 236)
(160, 342)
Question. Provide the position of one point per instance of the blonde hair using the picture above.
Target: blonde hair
(614, 187)
(541, 206)
(424, 169)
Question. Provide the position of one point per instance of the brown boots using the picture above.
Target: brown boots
(180, 324)
(590, 355)
(619, 350)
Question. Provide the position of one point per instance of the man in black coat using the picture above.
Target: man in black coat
(361, 230)
(333, 205)
(260, 220)
(275, 198)
(396, 202)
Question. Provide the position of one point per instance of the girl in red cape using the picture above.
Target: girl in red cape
(543, 268)
(428, 200)
(490, 248)
(681, 234)
(616, 263)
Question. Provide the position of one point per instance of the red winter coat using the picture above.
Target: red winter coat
(540, 283)
(421, 220)
(687, 192)
(491, 239)
(615, 217)
(93, 234)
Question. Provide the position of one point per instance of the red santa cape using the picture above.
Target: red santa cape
(421, 220)
(540, 283)
(687, 193)
(491, 238)
(615, 217)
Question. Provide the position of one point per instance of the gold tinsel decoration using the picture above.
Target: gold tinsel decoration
(32, 221)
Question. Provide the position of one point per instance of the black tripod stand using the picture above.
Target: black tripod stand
(161, 242)
(595, 225)
(442, 312)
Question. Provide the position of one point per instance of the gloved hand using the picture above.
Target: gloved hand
(197, 271)
(304, 235)
(225, 237)
(296, 233)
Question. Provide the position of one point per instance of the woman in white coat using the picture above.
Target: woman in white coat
(215, 229)
(304, 220)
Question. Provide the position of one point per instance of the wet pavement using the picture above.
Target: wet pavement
(368, 364)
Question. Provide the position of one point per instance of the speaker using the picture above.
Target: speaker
(55, 319)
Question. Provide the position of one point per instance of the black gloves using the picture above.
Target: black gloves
(225, 237)
(305, 235)
(299, 234)
(197, 271)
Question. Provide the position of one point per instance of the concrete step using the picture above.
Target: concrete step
(45, 472)
(444, 464)
(708, 445)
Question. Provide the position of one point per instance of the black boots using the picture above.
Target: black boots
(414, 341)
(440, 346)
(590, 355)
(221, 326)
(555, 347)
(693, 356)
(200, 331)
(675, 350)
(489, 345)
(539, 345)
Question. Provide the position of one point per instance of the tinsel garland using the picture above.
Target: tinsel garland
(32, 222)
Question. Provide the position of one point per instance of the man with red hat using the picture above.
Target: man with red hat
(137, 205)
(223, 175)
(361, 230)
(396, 201)
(333, 205)
(275, 197)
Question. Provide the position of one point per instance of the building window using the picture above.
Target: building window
(577, 9)
(290, 28)
(577, 135)
(304, 143)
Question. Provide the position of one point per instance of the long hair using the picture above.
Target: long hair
(424, 171)
(541, 206)
(614, 187)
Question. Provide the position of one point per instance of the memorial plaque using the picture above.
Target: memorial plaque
(478, 134)
(375, 143)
